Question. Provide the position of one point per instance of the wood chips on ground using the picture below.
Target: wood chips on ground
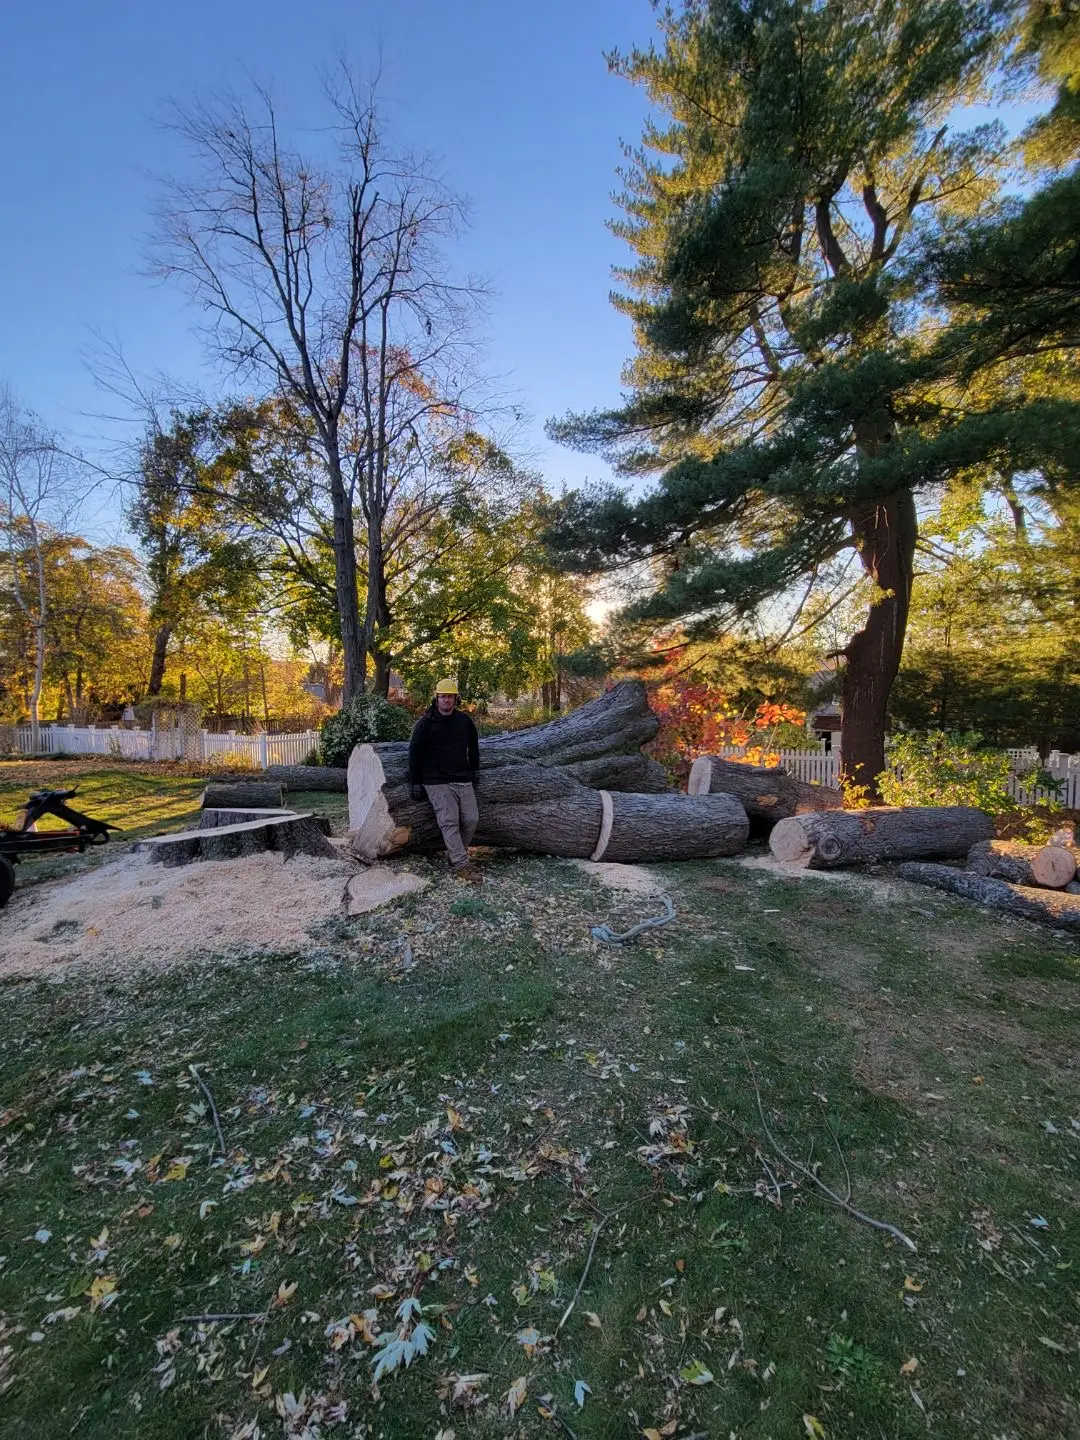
(129, 912)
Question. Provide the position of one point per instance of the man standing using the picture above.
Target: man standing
(444, 765)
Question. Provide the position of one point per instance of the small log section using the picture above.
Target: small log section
(767, 792)
(244, 795)
(1051, 866)
(834, 838)
(545, 809)
(215, 819)
(287, 834)
(1048, 907)
(309, 777)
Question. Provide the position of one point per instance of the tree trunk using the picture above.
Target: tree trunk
(157, 665)
(768, 793)
(834, 838)
(345, 591)
(381, 681)
(545, 809)
(245, 795)
(288, 834)
(1048, 907)
(1051, 866)
(885, 533)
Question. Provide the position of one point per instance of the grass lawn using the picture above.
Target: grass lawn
(460, 1125)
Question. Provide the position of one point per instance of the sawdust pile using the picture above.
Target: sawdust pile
(130, 912)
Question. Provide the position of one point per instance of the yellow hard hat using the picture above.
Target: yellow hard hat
(446, 687)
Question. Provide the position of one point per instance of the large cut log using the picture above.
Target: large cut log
(286, 834)
(244, 795)
(767, 792)
(216, 819)
(855, 837)
(1049, 907)
(1051, 866)
(545, 809)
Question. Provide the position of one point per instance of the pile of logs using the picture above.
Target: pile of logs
(577, 786)
(1037, 882)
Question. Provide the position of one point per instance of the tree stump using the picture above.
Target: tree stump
(834, 838)
(216, 819)
(288, 834)
(767, 792)
(1048, 907)
(244, 795)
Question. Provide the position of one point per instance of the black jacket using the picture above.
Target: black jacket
(444, 749)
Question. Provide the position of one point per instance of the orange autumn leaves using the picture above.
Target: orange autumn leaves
(698, 719)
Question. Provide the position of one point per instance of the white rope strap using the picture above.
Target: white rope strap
(608, 815)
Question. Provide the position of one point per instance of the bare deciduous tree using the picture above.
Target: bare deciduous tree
(324, 278)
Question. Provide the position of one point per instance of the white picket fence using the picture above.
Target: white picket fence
(815, 767)
(258, 751)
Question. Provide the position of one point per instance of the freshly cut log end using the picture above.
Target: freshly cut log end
(288, 834)
(767, 792)
(835, 838)
(1053, 866)
(244, 795)
(1047, 907)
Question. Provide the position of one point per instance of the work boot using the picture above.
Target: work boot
(469, 874)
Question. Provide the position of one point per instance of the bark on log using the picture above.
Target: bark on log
(309, 777)
(545, 809)
(1051, 866)
(767, 792)
(288, 835)
(245, 795)
(834, 838)
(216, 819)
(1048, 907)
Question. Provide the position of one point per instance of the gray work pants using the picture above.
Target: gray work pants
(455, 810)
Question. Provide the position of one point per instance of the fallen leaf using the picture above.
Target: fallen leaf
(1053, 1345)
(695, 1374)
(909, 1366)
(515, 1395)
(665, 1307)
(102, 1292)
(910, 1283)
(593, 1319)
(814, 1427)
(581, 1389)
(285, 1291)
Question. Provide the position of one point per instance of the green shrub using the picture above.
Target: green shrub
(947, 769)
(364, 720)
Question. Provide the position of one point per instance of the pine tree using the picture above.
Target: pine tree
(793, 384)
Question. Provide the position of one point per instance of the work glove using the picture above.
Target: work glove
(417, 792)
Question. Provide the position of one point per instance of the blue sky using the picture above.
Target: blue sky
(514, 100)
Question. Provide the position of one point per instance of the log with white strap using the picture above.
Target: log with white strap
(833, 838)
(545, 809)
(767, 792)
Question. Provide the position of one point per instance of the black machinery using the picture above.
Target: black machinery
(24, 839)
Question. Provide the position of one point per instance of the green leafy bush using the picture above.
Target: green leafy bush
(947, 769)
(364, 720)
